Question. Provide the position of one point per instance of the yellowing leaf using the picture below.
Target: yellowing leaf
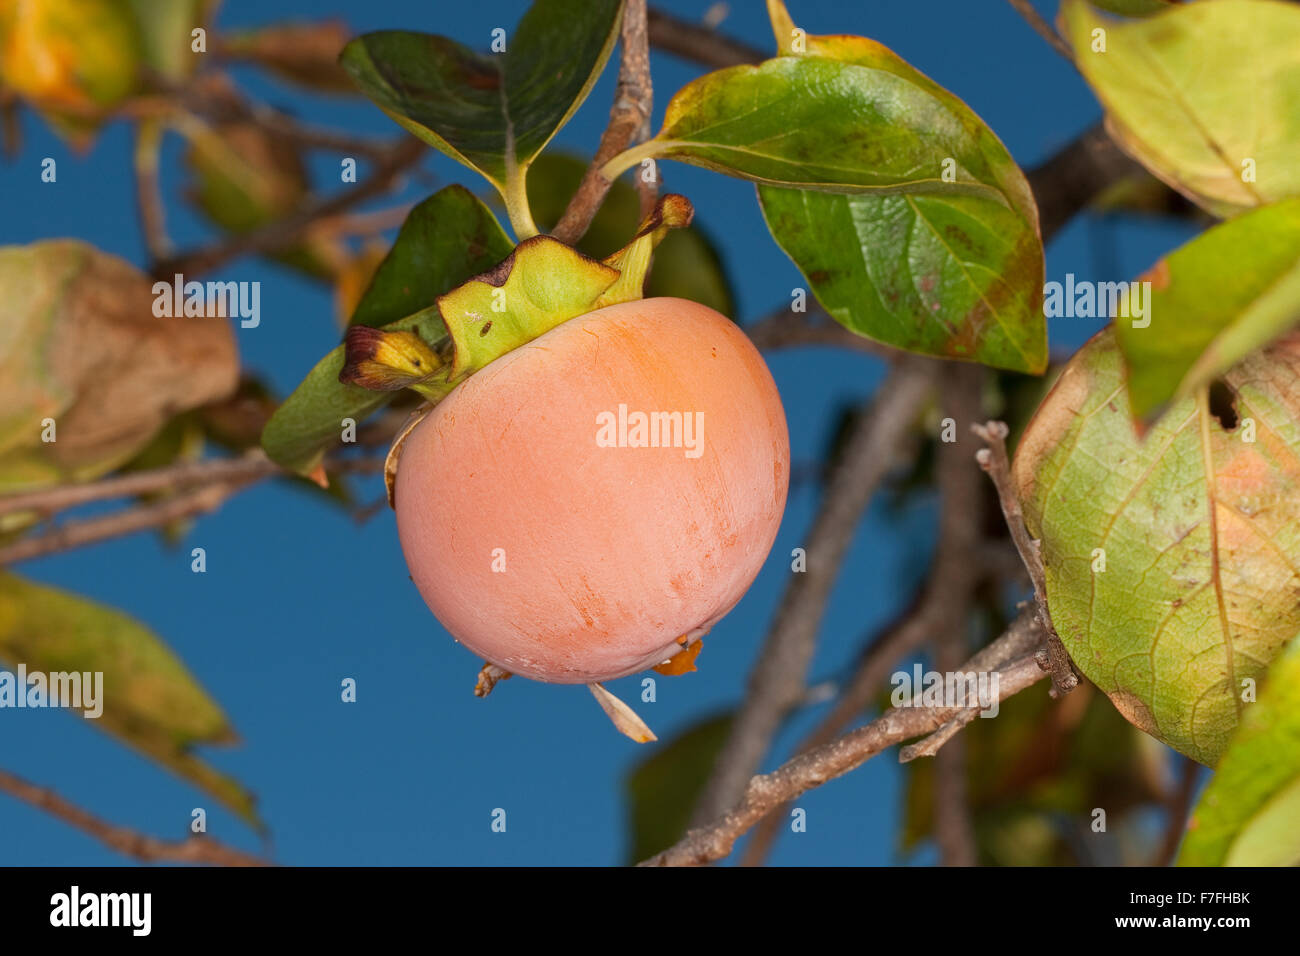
(1173, 563)
(150, 701)
(69, 58)
(1203, 95)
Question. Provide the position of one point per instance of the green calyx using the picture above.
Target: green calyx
(540, 285)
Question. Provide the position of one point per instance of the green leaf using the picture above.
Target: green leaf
(1201, 95)
(943, 272)
(1221, 296)
(1197, 527)
(1248, 812)
(662, 790)
(686, 263)
(818, 124)
(445, 240)
(150, 701)
(493, 112)
(955, 276)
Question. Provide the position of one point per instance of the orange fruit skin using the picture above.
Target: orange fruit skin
(607, 555)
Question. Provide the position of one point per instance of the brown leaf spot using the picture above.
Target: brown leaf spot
(1135, 712)
(1158, 276)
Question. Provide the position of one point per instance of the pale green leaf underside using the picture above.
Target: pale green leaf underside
(1196, 92)
(1200, 531)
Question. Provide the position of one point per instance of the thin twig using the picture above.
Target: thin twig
(962, 498)
(148, 140)
(363, 223)
(699, 43)
(317, 137)
(941, 608)
(766, 792)
(647, 187)
(993, 460)
(48, 501)
(954, 830)
(139, 846)
(213, 97)
(1075, 175)
(1043, 28)
(782, 328)
(627, 117)
(203, 487)
(78, 534)
(778, 680)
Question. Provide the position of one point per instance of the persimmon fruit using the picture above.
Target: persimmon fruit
(591, 502)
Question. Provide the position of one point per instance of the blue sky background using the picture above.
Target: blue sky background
(297, 596)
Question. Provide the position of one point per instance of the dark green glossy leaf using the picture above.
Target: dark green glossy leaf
(1226, 293)
(1249, 812)
(445, 240)
(150, 700)
(663, 789)
(492, 112)
(955, 276)
(819, 124)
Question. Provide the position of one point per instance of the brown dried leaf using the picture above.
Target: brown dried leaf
(80, 344)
